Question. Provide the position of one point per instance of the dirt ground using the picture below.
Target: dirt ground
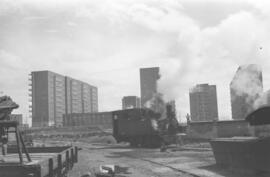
(129, 162)
(139, 162)
(194, 158)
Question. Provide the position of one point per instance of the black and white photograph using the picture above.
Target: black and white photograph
(134, 88)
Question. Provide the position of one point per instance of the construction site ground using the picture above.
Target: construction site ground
(186, 161)
(98, 147)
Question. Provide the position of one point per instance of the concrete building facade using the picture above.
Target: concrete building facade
(53, 95)
(246, 89)
(94, 99)
(148, 80)
(81, 97)
(129, 102)
(203, 103)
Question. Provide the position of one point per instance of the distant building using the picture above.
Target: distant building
(17, 117)
(129, 102)
(81, 97)
(97, 119)
(148, 78)
(203, 103)
(246, 88)
(53, 95)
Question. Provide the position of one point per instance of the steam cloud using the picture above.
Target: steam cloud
(248, 83)
(212, 54)
(99, 35)
(156, 103)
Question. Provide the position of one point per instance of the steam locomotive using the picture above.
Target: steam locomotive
(142, 127)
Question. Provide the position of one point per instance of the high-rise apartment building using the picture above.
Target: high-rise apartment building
(129, 102)
(203, 103)
(94, 99)
(81, 97)
(246, 88)
(148, 78)
(53, 95)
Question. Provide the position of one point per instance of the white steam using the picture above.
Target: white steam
(156, 103)
(248, 82)
(79, 38)
(211, 55)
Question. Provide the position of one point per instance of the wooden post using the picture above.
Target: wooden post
(67, 160)
(19, 145)
(76, 154)
(72, 154)
(24, 148)
(50, 167)
(60, 165)
(72, 158)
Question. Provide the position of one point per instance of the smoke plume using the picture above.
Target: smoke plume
(248, 84)
(82, 38)
(156, 103)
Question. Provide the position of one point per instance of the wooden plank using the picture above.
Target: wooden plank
(44, 163)
(35, 157)
(54, 149)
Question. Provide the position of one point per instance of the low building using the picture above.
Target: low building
(98, 119)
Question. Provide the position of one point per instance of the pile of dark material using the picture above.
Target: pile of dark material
(260, 116)
(247, 154)
(6, 107)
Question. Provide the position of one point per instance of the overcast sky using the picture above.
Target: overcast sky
(105, 42)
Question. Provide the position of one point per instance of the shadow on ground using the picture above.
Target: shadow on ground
(229, 172)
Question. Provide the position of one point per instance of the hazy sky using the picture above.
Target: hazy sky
(105, 42)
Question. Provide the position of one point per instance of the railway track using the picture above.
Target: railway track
(167, 166)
